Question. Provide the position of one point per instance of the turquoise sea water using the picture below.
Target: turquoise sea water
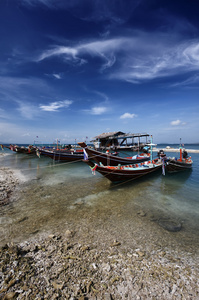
(56, 195)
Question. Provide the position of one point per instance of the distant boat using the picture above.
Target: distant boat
(113, 160)
(181, 164)
(126, 172)
(62, 155)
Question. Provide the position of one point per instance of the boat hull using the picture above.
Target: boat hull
(58, 156)
(173, 165)
(111, 160)
(124, 173)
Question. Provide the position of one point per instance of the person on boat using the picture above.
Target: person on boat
(114, 149)
(161, 154)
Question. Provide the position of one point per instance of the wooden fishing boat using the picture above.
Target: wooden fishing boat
(22, 149)
(113, 160)
(181, 164)
(62, 156)
(4, 146)
(126, 172)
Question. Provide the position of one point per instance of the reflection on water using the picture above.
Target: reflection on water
(58, 196)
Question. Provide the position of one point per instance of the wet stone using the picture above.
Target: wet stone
(169, 225)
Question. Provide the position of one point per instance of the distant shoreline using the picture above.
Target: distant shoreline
(175, 150)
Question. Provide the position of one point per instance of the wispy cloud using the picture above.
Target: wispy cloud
(110, 61)
(21, 94)
(131, 59)
(156, 61)
(33, 3)
(102, 95)
(57, 76)
(177, 123)
(57, 50)
(27, 110)
(106, 50)
(128, 116)
(68, 54)
(97, 110)
(26, 134)
(55, 106)
(98, 10)
(187, 82)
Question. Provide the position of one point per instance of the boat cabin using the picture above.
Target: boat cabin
(120, 140)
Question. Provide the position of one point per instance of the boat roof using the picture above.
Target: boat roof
(119, 135)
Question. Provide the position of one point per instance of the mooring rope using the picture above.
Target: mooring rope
(56, 164)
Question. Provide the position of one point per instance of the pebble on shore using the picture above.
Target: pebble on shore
(8, 182)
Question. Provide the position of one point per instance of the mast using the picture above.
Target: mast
(57, 145)
(180, 151)
(151, 149)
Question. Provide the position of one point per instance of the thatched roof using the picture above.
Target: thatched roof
(109, 134)
(119, 135)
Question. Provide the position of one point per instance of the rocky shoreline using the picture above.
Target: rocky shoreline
(60, 267)
(8, 183)
(67, 265)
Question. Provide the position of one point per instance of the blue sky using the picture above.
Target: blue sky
(74, 69)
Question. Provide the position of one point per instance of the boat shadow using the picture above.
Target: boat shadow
(180, 176)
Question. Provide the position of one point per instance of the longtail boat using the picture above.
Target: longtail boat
(22, 149)
(181, 164)
(112, 160)
(62, 155)
(126, 172)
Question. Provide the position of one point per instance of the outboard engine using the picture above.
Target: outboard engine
(184, 154)
(146, 149)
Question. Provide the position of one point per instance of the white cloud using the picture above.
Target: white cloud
(57, 76)
(177, 123)
(55, 106)
(26, 134)
(128, 116)
(98, 110)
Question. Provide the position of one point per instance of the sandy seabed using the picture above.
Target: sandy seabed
(86, 260)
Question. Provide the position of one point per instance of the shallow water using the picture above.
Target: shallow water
(55, 197)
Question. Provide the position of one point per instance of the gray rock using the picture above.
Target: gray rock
(170, 225)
